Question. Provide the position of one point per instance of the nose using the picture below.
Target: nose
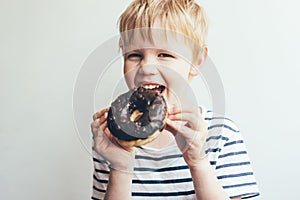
(148, 66)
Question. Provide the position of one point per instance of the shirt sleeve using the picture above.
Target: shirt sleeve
(233, 166)
(100, 176)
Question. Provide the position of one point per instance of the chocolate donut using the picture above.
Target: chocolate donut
(137, 116)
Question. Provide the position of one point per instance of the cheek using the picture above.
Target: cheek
(174, 76)
(185, 70)
(182, 69)
(129, 76)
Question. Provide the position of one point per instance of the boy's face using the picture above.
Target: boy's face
(164, 66)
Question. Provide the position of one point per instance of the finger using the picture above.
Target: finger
(184, 136)
(94, 131)
(100, 113)
(97, 122)
(182, 129)
(95, 125)
(174, 108)
(178, 111)
(177, 127)
(103, 118)
(103, 126)
(192, 119)
(100, 130)
(183, 117)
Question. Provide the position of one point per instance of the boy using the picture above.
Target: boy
(163, 42)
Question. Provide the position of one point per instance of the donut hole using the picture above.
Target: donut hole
(136, 115)
(140, 117)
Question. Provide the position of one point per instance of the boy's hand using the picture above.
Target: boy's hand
(121, 158)
(190, 131)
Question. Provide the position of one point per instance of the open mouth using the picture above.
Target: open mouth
(156, 88)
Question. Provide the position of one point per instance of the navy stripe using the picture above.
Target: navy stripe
(222, 126)
(211, 118)
(233, 165)
(239, 185)
(213, 162)
(246, 195)
(100, 180)
(159, 158)
(232, 154)
(234, 142)
(235, 175)
(162, 194)
(217, 138)
(99, 190)
(176, 181)
(94, 198)
(162, 181)
(161, 169)
(99, 161)
(102, 171)
(213, 150)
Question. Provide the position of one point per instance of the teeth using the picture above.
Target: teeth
(151, 87)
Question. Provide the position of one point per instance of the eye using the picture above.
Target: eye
(134, 56)
(165, 55)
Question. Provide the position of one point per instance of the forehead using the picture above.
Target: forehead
(155, 38)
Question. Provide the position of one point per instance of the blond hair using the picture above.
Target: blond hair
(183, 16)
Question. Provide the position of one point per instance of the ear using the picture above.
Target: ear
(199, 60)
(194, 71)
(201, 57)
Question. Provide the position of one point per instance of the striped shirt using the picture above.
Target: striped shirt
(163, 173)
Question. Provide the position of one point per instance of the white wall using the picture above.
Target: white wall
(256, 45)
(43, 44)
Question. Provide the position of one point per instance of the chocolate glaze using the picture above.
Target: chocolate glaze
(150, 103)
